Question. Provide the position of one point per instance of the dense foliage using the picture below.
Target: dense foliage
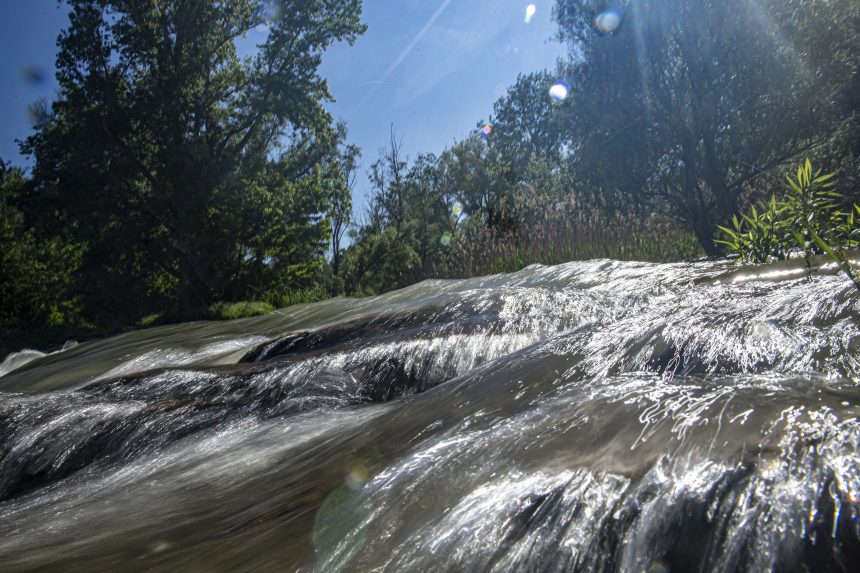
(35, 270)
(703, 101)
(187, 173)
(811, 218)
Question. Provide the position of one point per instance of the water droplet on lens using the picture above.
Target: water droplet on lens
(531, 10)
(356, 478)
(457, 209)
(559, 91)
(487, 130)
(608, 21)
(33, 75)
(446, 239)
(271, 11)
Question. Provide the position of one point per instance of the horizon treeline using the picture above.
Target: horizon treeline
(170, 174)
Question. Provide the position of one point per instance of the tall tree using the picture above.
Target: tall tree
(480, 177)
(526, 123)
(161, 128)
(688, 102)
(387, 178)
(341, 186)
(36, 273)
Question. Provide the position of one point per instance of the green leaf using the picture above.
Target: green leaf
(838, 258)
(727, 231)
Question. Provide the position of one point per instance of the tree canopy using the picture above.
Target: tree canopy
(190, 173)
(700, 99)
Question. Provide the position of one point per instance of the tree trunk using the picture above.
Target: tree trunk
(704, 232)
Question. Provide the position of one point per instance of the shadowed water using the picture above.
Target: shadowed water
(597, 416)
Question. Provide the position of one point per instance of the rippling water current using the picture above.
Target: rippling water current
(598, 416)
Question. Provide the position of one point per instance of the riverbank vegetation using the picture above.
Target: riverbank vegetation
(171, 174)
(811, 218)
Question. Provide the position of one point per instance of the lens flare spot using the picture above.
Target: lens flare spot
(271, 11)
(457, 209)
(446, 239)
(531, 10)
(356, 478)
(487, 130)
(559, 91)
(337, 524)
(608, 21)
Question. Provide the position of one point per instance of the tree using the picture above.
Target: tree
(36, 275)
(342, 185)
(480, 178)
(401, 239)
(824, 34)
(687, 104)
(387, 178)
(165, 146)
(527, 124)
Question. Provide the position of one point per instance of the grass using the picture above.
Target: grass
(51, 338)
(234, 310)
(217, 311)
(562, 237)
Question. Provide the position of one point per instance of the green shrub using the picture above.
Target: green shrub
(811, 208)
(809, 219)
(758, 236)
(233, 310)
(302, 296)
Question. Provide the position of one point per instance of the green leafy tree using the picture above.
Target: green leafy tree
(480, 178)
(341, 180)
(403, 237)
(823, 34)
(165, 146)
(689, 102)
(527, 124)
(36, 275)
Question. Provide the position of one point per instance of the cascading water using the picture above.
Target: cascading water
(598, 416)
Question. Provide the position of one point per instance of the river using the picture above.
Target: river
(592, 416)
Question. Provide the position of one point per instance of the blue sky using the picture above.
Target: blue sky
(432, 68)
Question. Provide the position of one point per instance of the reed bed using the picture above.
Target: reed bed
(561, 233)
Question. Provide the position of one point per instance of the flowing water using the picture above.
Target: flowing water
(596, 416)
